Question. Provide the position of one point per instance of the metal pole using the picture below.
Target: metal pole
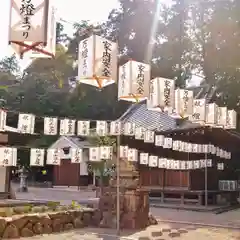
(206, 181)
(118, 184)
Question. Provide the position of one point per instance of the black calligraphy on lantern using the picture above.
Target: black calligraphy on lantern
(25, 123)
(70, 127)
(166, 93)
(27, 10)
(84, 54)
(106, 59)
(151, 90)
(84, 128)
(123, 79)
(117, 128)
(140, 79)
(55, 156)
(185, 100)
(51, 126)
(38, 157)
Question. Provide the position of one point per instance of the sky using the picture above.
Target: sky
(68, 10)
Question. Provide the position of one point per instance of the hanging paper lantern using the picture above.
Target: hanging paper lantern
(115, 128)
(159, 140)
(3, 119)
(183, 102)
(139, 133)
(50, 126)
(199, 111)
(28, 25)
(168, 143)
(97, 61)
(76, 155)
(220, 166)
(132, 155)
(196, 164)
(37, 157)
(106, 152)
(129, 129)
(222, 117)
(211, 114)
(144, 158)
(94, 154)
(83, 128)
(161, 95)
(153, 161)
(123, 151)
(67, 127)
(190, 165)
(8, 156)
(209, 162)
(133, 83)
(149, 136)
(183, 165)
(231, 119)
(26, 123)
(53, 156)
(162, 162)
(102, 128)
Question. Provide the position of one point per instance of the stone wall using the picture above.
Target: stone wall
(45, 223)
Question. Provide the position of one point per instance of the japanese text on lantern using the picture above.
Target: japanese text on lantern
(197, 105)
(140, 79)
(123, 78)
(38, 157)
(85, 56)
(151, 90)
(106, 59)
(167, 93)
(26, 11)
(51, 126)
(6, 154)
(185, 100)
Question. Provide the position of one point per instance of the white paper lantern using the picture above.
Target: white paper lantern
(211, 114)
(97, 61)
(133, 84)
(144, 158)
(184, 102)
(102, 128)
(199, 111)
(194, 148)
(53, 156)
(176, 164)
(222, 117)
(189, 147)
(106, 152)
(3, 119)
(168, 143)
(8, 156)
(67, 127)
(139, 133)
(185, 147)
(83, 128)
(37, 157)
(28, 24)
(183, 165)
(161, 96)
(217, 151)
(50, 48)
(205, 148)
(50, 126)
(129, 129)
(203, 163)
(76, 155)
(189, 165)
(221, 153)
(231, 119)
(159, 140)
(26, 123)
(94, 154)
(181, 146)
(220, 166)
(123, 151)
(176, 145)
(168, 163)
(153, 161)
(132, 155)
(115, 128)
(213, 150)
(162, 162)
(209, 163)
(196, 164)
(149, 136)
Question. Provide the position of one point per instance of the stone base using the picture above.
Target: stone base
(134, 208)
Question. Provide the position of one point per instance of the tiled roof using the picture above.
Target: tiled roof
(152, 120)
(159, 121)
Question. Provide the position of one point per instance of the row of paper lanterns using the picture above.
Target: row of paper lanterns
(97, 66)
(96, 154)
